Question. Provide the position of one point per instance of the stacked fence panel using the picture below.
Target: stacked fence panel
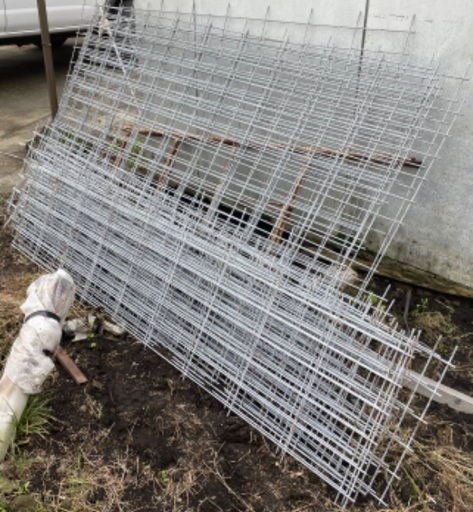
(210, 187)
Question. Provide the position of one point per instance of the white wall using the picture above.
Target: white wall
(324, 11)
(437, 235)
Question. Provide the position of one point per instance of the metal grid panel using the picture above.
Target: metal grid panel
(210, 188)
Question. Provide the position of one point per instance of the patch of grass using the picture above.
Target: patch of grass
(17, 468)
(450, 472)
(95, 484)
(35, 420)
(92, 406)
(434, 323)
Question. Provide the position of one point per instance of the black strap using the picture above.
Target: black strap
(46, 314)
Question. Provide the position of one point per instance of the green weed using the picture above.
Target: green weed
(35, 419)
(422, 306)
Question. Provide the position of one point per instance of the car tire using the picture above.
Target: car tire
(57, 40)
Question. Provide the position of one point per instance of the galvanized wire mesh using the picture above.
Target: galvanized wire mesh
(210, 184)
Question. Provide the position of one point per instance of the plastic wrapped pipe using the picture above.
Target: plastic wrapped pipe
(47, 303)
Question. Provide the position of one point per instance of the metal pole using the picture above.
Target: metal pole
(48, 56)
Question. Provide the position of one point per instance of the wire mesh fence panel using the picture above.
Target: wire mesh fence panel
(211, 186)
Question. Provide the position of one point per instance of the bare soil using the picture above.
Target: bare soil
(139, 437)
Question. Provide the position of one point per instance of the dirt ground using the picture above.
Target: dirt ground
(138, 437)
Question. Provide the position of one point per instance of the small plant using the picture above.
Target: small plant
(450, 329)
(80, 461)
(422, 306)
(35, 419)
(164, 477)
(99, 411)
(95, 408)
(23, 488)
(92, 340)
(374, 299)
(443, 349)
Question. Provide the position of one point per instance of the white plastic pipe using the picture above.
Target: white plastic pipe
(12, 404)
(47, 303)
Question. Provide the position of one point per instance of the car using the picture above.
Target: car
(19, 22)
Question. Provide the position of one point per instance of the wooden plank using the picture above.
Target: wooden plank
(169, 161)
(445, 395)
(122, 148)
(68, 364)
(280, 226)
(352, 156)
